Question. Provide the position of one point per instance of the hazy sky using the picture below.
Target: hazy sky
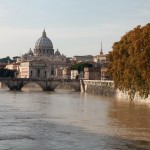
(75, 27)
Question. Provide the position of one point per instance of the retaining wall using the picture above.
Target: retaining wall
(99, 87)
(106, 88)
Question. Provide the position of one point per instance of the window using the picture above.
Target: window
(38, 72)
(45, 74)
(52, 71)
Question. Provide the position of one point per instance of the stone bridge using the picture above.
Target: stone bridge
(45, 84)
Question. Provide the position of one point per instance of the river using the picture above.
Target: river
(68, 120)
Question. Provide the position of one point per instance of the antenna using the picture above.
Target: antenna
(101, 52)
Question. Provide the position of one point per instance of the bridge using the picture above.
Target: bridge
(45, 84)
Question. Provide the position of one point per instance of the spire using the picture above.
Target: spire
(101, 52)
(44, 33)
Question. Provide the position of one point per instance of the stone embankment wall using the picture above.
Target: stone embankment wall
(98, 87)
(106, 88)
(125, 96)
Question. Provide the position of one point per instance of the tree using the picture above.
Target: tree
(130, 61)
(80, 66)
(7, 73)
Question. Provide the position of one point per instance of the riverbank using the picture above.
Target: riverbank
(106, 88)
(125, 97)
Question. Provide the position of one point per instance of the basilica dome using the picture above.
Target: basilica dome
(43, 46)
(43, 42)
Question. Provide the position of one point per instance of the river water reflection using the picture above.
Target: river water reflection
(67, 120)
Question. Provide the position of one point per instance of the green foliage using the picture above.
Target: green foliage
(130, 61)
(6, 60)
(7, 73)
(80, 66)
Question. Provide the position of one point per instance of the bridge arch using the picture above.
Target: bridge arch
(30, 82)
(73, 86)
(5, 83)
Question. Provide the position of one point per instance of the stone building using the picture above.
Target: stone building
(102, 61)
(66, 73)
(13, 66)
(44, 61)
(104, 72)
(74, 74)
(85, 58)
(92, 73)
(101, 56)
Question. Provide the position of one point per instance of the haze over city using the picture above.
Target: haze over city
(76, 27)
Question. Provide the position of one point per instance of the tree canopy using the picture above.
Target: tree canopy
(7, 73)
(80, 66)
(130, 61)
(6, 60)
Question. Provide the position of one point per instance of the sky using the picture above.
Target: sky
(75, 27)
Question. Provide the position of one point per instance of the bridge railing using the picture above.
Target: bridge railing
(37, 79)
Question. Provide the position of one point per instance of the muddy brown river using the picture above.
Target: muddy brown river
(68, 120)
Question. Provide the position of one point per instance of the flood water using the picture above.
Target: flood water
(68, 120)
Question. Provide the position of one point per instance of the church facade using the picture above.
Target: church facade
(43, 61)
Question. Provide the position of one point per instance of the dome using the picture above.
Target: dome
(43, 42)
(30, 52)
(43, 46)
(57, 53)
